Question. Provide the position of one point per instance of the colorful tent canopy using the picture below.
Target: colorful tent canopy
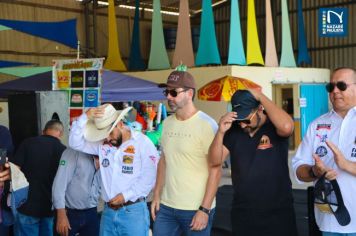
(116, 87)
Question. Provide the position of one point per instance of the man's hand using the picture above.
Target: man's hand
(62, 225)
(155, 207)
(95, 112)
(200, 221)
(319, 168)
(5, 173)
(339, 158)
(226, 121)
(117, 200)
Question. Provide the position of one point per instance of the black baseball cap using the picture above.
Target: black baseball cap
(328, 198)
(243, 103)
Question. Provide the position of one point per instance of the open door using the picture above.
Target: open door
(313, 102)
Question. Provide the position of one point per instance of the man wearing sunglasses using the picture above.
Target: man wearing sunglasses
(255, 135)
(329, 147)
(183, 202)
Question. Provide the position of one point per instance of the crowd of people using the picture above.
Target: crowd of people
(108, 159)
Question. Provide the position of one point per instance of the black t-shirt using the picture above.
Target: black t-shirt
(259, 167)
(38, 158)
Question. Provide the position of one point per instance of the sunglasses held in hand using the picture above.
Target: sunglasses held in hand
(341, 85)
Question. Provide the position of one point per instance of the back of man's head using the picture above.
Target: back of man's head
(54, 128)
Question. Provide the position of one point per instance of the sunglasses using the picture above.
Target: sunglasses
(172, 92)
(247, 121)
(341, 85)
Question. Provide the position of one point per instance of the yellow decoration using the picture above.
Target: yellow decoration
(113, 61)
(254, 55)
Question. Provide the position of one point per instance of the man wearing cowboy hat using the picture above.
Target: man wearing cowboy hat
(128, 162)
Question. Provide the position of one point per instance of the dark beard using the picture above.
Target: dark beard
(117, 142)
(253, 129)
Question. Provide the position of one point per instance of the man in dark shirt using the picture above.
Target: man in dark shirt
(255, 135)
(38, 158)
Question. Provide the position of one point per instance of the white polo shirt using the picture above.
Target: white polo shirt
(342, 132)
(130, 169)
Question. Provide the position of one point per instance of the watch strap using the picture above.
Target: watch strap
(205, 210)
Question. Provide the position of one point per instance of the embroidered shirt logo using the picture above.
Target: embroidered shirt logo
(323, 126)
(353, 152)
(153, 159)
(322, 137)
(321, 151)
(128, 159)
(105, 162)
(265, 143)
(130, 149)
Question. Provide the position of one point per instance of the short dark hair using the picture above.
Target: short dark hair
(54, 124)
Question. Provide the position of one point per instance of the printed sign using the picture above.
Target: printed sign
(333, 22)
(82, 79)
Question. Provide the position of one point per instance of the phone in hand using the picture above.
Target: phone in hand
(3, 154)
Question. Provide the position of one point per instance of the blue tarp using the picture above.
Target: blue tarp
(64, 32)
(116, 87)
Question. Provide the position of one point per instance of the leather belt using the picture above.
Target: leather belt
(128, 203)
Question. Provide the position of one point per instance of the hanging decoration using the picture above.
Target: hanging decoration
(136, 61)
(287, 55)
(24, 71)
(4, 64)
(303, 54)
(236, 47)
(271, 58)
(208, 52)
(64, 32)
(183, 52)
(158, 54)
(113, 61)
(254, 55)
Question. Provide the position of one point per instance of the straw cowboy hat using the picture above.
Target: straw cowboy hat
(100, 128)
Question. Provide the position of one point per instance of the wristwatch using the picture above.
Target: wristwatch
(205, 210)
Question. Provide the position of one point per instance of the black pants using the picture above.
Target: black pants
(272, 222)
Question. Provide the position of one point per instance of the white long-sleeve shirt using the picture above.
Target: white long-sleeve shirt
(341, 132)
(129, 169)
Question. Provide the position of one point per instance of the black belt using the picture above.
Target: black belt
(128, 203)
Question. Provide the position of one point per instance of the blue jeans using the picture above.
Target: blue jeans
(33, 226)
(126, 221)
(174, 222)
(84, 222)
(338, 234)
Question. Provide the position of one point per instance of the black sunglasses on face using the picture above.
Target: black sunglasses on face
(341, 85)
(172, 92)
(247, 121)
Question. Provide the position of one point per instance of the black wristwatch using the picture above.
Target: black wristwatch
(205, 210)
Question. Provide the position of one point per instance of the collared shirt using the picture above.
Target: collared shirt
(129, 169)
(342, 133)
(77, 183)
